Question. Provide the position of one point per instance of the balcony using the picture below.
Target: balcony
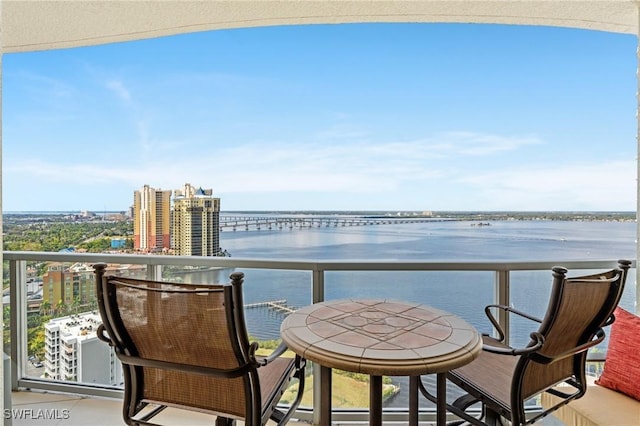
(315, 279)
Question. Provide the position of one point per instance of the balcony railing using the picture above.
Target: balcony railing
(502, 272)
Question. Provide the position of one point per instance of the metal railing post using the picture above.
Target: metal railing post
(317, 290)
(154, 272)
(502, 297)
(317, 295)
(18, 299)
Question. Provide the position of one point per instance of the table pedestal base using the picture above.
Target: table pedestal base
(325, 396)
(375, 399)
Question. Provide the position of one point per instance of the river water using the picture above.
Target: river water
(462, 293)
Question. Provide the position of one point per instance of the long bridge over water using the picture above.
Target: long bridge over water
(246, 223)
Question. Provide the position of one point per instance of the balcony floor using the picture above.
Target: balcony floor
(96, 411)
(84, 410)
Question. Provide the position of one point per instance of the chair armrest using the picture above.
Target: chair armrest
(599, 338)
(277, 352)
(508, 350)
(496, 325)
(101, 333)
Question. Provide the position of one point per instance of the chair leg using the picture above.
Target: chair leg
(223, 421)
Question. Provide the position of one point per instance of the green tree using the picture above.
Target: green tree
(57, 232)
(6, 312)
(61, 309)
(45, 308)
(93, 304)
(75, 305)
(35, 337)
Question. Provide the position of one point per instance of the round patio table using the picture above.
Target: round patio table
(381, 338)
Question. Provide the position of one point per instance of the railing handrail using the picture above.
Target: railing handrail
(311, 265)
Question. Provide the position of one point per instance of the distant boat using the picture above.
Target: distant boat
(481, 224)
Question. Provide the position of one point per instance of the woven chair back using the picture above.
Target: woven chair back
(185, 325)
(578, 309)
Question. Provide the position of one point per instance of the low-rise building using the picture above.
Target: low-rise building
(72, 287)
(74, 353)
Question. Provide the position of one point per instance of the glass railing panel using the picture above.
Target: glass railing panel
(628, 300)
(529, 292)
(61, 320)
(462, 293)
(61, 339)
(196, 274)
(269, 296)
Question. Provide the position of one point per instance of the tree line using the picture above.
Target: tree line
(49, 236)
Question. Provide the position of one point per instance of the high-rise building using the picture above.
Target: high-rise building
(151, 219)
(196, 222)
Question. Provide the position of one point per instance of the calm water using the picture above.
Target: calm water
(463, 293)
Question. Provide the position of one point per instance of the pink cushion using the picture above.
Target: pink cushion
(622, 367)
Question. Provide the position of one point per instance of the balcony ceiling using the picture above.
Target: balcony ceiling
(40, 25)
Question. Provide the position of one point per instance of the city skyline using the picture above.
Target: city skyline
(441, 117)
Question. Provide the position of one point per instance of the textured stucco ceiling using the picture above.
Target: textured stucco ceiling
(39, 25)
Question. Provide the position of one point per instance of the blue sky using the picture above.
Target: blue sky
(329, 117)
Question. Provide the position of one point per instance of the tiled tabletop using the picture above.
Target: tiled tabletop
(380, 337)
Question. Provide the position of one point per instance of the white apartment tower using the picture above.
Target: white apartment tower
(195, 222)
(74, 353)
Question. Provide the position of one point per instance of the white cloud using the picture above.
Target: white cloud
(118, 87)
(42, 86)
(435, 165)
(598, 185)
(469, 143)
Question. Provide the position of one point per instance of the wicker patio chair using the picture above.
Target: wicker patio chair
(186, 346)
(504, 378)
